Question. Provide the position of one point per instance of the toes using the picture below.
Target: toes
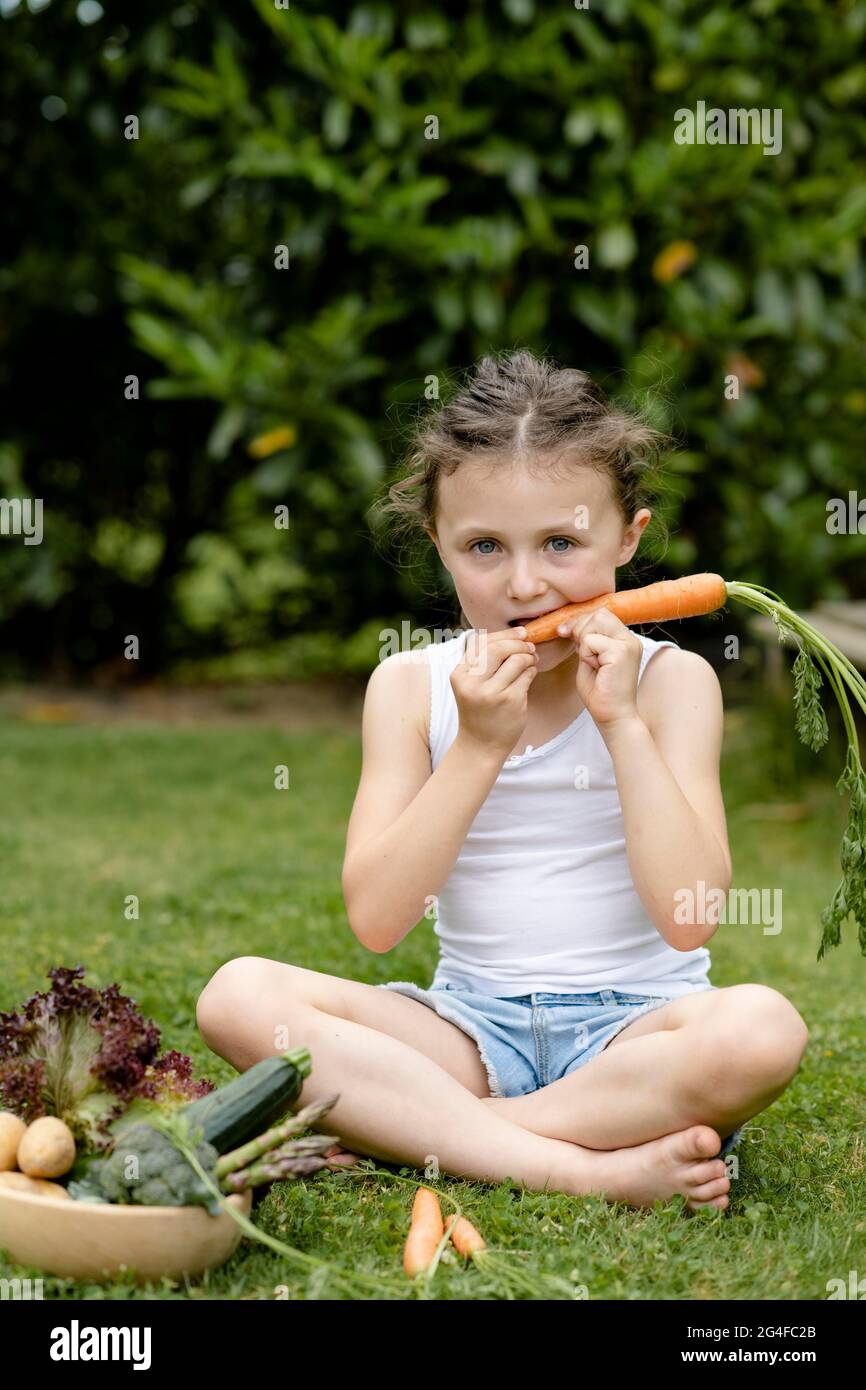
(710, 1189)
(342, 1158)
(720, 1203)
(705, 1141)
(705, 1172)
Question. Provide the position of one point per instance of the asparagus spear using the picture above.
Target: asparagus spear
(271, 1169)
(240, 1158)
(298, 1148)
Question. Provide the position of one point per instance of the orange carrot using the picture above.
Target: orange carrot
(465, 1237)
(425, 1232)
(704, 593)
(654, 603)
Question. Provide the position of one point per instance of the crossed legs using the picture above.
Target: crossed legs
(412, 1086)
(716, 1057)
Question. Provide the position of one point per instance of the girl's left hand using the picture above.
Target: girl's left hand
(609, 657)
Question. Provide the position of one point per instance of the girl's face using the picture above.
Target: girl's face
(518, 544)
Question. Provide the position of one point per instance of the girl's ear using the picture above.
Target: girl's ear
(435, 539)
(631, 536)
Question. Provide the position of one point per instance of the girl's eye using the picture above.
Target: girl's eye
(568, 540)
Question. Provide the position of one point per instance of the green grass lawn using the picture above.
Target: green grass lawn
(224, 865)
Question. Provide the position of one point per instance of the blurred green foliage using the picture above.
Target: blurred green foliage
(408, 257)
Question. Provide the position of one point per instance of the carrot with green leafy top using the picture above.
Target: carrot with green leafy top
(695, 594)
(654, 603)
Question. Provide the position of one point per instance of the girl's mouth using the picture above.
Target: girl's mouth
(518, 622)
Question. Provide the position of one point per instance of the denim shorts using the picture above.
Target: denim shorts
(528, 1041)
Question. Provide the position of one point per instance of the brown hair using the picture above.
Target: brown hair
(521, 408)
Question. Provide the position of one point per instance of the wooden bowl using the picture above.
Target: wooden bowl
(96, 1241)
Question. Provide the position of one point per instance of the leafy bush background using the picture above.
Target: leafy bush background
(409, 258)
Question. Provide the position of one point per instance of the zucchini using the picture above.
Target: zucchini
(245, 1107)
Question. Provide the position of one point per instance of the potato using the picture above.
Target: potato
(47, 1148)
(11, 1130)
(19, 1182)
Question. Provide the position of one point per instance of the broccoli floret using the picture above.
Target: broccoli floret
(147, 1169)
(152, 1162)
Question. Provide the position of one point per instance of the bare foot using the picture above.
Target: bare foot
(338, 1157)
(675, 1163)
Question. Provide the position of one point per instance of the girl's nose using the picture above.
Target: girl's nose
(524, 586)
(527, 603)
(531, 592)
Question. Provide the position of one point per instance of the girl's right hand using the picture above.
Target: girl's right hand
(491, 687)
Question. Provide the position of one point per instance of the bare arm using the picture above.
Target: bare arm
(408, 824)
(667, 771)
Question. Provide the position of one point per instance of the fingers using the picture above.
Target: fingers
(515, 666)
(484, 653)
(506, 634)
(600, 620)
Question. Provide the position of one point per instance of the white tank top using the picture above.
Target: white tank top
(541, 897)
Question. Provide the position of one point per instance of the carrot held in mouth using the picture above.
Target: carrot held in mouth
(817, 656)
(654, 603)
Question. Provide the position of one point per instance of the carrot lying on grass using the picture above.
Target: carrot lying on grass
(465, 1238)
(425, 1232)
(502, 1267)
(704, 593)
(427, 1229)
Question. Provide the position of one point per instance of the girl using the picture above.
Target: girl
(546, 805)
